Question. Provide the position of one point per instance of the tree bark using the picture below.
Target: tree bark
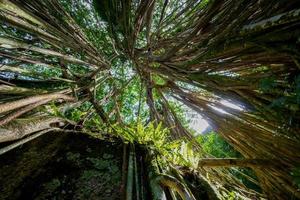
(31, 100)
(19, 130)
(235, 162)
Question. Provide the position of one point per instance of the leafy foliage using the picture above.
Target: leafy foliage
(133, 68)
(216, 146)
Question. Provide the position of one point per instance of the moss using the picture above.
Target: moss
(107, 156)
(29, 162)
(53, 185)
(62, 166)
(98, 163)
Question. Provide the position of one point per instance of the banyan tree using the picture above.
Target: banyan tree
(132, 75)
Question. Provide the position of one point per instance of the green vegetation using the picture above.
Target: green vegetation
(214, 145)
(133, 71)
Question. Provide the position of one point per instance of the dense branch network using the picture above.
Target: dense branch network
(131, 60)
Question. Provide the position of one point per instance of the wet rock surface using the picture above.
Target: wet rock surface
(62, 166)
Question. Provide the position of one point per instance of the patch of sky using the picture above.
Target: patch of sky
(196, 122)
(229, 105)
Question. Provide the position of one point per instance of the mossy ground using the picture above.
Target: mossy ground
(62, 166)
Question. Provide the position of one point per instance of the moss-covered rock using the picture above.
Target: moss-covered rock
(62, 166)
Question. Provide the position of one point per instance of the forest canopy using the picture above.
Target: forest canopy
(143, 71)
